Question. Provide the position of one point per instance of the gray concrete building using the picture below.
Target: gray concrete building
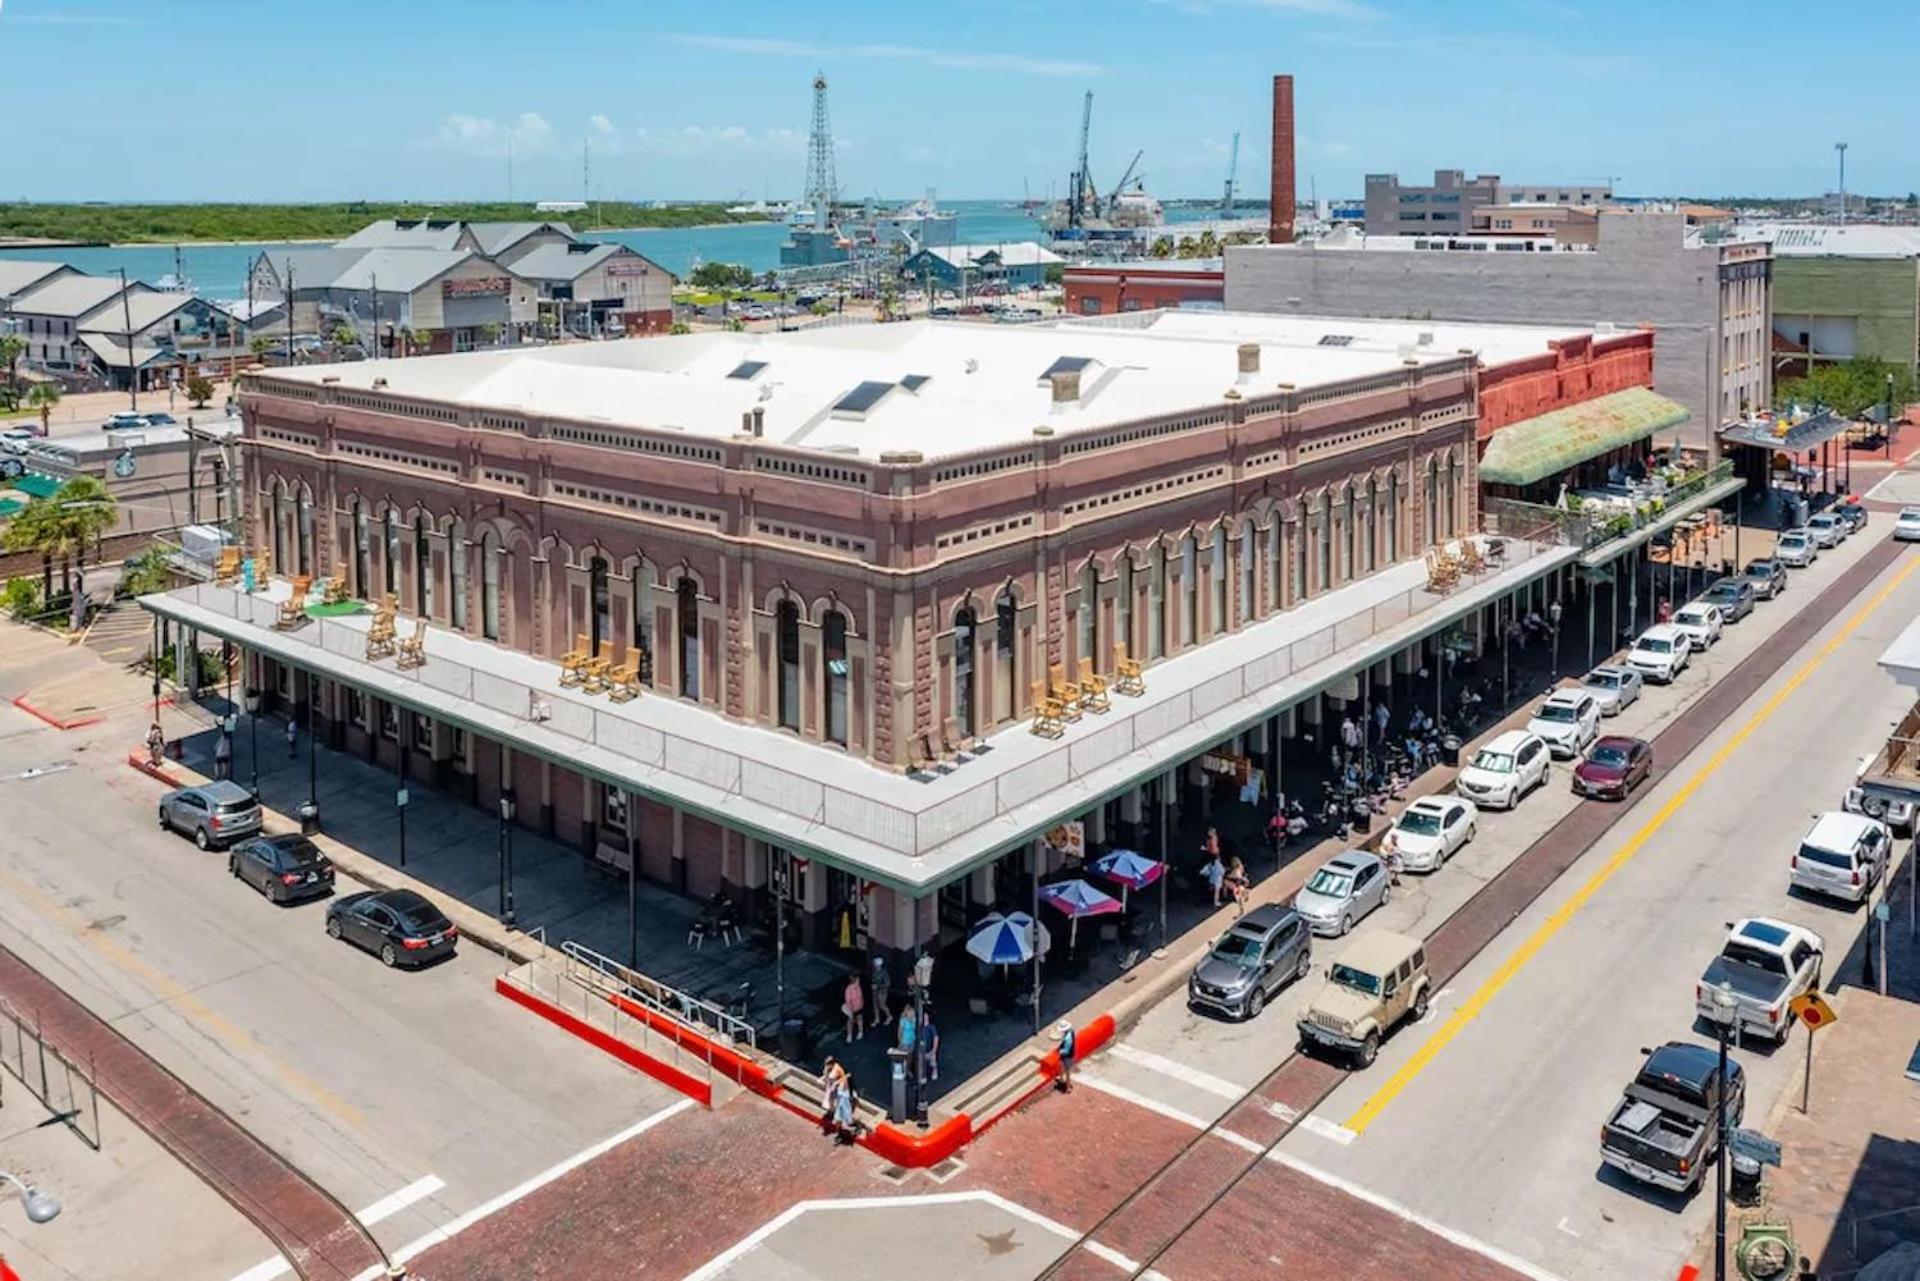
(1445, 208)
(1711, 303)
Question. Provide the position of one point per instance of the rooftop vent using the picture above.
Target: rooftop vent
(1249, 353)
(747, 370)
(973, 366)
(914, 382)
(861, 400)
(1066, 386)
(1426, 338)
(1336, 340)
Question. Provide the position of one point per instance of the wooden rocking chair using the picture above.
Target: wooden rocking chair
(413, 649)
(1127, 678)
(575, 660)
(1048, 716)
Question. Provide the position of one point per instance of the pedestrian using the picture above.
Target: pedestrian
(1063, 1032)
(853, 1004)
(829, 1094)
(906, 1027)
(1390, 850)
(293, 737)
(1238, 885)
(929, 1045)
(1216, 873)
(1380, 718)
(923, 973)
(1349, 735)
(843, 1121)
(156, 743)
(222, 757)
(1665, 612)
(881, 984)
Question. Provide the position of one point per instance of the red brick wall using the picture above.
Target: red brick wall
(1575, 370)
(1115, 291)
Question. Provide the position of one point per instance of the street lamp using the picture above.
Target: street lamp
(253, 736)
(1726, 1013)
(41, 1208)
(506, 857)
(1553, 616)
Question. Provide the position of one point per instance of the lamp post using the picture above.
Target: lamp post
(506, 857)
(1726, 1011)
(253, 737)
(1554, 612)
(40, 1207)
(1888, 404)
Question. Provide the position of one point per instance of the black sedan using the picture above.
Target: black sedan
(283, 868)
(398, 926)
(1855, 514)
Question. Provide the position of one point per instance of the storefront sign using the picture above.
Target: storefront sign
(628, 267)
(1070, 839)
(477, 287)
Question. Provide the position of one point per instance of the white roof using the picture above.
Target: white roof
(1821, 240)
(398, 271)
(1836, 830)
(72, 296)
(113, 351)
(144, 308)
(17, 275)
(1021, 253)
(984, 385)
(569, 262)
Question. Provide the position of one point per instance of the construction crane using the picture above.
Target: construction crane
(1082, 180)
(1126, 177)
(821, 187)
(1233, 170)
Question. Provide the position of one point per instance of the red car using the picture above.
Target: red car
(1613, 767)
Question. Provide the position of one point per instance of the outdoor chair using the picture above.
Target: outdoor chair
(1064, 692)
(227, 568)
(1093, 693)
(413, 650)
(595, 675)
(336, 593)
(262, 565)
(294, 607)
(1470, 560)
(952, 741)
(623, 682)
(380, 638)
(575, 659)
(1049, 719)
(1126, 674)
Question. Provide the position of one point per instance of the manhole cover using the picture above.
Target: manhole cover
(895, 1174)
(946, 1169)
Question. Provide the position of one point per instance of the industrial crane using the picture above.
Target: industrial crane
(1233, 170)
(1082, 181)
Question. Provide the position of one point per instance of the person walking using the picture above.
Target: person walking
(156, 744)
(853, 1004)
(831, 1076)
(1063, 1032)
(843, 1123)
(905, 1028)
(222, 757)
(1239, 885)
(1381, 716)
(881, 983)
(293, 738)
(1390, 850)
(1216, 873)
(930, 1045)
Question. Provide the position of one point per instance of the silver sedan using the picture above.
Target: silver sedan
(1614, 688)
(1342, 892)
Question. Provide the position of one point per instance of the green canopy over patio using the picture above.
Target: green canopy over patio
(1535, 448)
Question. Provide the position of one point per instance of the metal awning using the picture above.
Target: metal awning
(1535, 448)
(1792, 438)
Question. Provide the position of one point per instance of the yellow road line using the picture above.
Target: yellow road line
(1471, 1008)
(172, 994)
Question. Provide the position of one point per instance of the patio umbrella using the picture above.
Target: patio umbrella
(1131, 870)
(1008, 940)
(1076, 899)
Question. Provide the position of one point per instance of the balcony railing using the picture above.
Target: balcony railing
(1590, 525)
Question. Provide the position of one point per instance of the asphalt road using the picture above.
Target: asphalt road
(425, 1091)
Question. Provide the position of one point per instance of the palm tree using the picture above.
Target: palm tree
(77, 514)
(44, 396)
(11, 347)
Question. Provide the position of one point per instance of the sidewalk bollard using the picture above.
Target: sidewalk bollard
(309, 816)
(897, 1061)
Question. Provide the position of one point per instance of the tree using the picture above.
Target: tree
(11, 347)
(146, 573)
(1054, 272)
(343, 336)
(199, 389)
(77, 514)
(261, 344)
(679, 327)
(423, 339)
(721, 276)
(44, 396)
(1849, 388)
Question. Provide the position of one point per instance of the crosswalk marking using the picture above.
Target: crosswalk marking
(1178, 1071)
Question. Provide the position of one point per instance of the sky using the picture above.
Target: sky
(350, 99)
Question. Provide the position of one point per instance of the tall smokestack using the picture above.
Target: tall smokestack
(1280, 221)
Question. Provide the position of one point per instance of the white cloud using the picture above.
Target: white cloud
(694, 140)
(605, 137)
(527, 134)
(1295, 8)
(958, 60)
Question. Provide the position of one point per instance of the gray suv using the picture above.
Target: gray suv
(213, 814)
(1265, 950)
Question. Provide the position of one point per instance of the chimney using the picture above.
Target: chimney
(1249, 360)
(1066, 387)
(1280, 220)
(759, 427)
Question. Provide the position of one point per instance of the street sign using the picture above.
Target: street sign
(1881, 911)
(400, 798)
(1754, 1145)
(1812, 1009)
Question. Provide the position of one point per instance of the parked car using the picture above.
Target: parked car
(1855, 514)
(283, 868)
(1766, 963)
(1906, 526)
(1614, 766)
(1733, 597)
(1566, 722)
(1380, 979)
(1767, 577)
(1828, 530)
(1665, 1129)
(214, 814)
(1506, 769)
(1700, 623)
(1796, 549)
(1265, 950)
(1661, 653)
(1613, 687)
(1342, 892)
(1895, 812)
(401, 927)
(1432, 829)
(1843, 856)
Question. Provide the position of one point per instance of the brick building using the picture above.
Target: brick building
(1096, 288)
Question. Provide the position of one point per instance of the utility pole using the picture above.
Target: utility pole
(289, 310)
(126, 314)
(1841, 147)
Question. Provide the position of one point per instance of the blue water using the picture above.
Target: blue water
(220, 271)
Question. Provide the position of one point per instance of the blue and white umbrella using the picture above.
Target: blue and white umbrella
(1008, 940)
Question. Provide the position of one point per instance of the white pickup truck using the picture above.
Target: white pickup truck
(1767, 963)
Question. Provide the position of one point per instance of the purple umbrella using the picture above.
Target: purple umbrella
(1130, 870)
(1076, 899)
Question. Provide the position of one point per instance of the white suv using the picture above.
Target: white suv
(1843, 857)
(1507, 768)
(1567, 721)
(1701, 623)
(1661, 653)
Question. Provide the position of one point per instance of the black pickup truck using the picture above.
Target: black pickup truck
(1664, 1130)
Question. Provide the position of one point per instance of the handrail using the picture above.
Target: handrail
(663, 999)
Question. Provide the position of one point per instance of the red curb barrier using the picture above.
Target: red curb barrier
(81, 723)
(917, 1151)
(728, 1062)
(699, 1091)
(139, 761)
(1689, 1273)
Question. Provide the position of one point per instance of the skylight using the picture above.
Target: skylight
(914, 382)
(1065, 365)
(1336, 340)
(747, 370)
(862, 398)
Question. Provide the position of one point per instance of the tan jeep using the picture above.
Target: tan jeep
(1380, 978)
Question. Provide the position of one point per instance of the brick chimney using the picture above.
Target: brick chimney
(1281, 219)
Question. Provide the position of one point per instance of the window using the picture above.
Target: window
(786, 659)
(1433, 502)
(1219, 571)
(393, 553)
(279, 521)
(1248, 568)
(964, 625)
(1276, 566)
(357, 708)
(1089, 305)
(1393, 516)
(1370, 538)
(613, 808)
(1123, 605)
(1005, 623)
(599, 604)
(1298, 532)
(643, 618)
(491, 556)
(423, 733)
(1324, 531)
(304, 541)
(1086, 643)
(1189, 591)
(834, 666)
(457, 576)
(1348, 527)
(1157, 602)
(361, 587)
(686, 603)
(389, 720)
(422, 569)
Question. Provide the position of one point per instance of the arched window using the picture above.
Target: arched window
(1249, 567)
(1369, 541)
(786, 664)
(422, 569)
(1087, 644)
(1297, 531)
(393, 553)
(1157, 602)
(964, 626)
(361, 537)
(643, 618)
(600, 602)
(1276, 567)
(1218, 571)
(686, 603)
(1393, 516)
(1123, 605)
(1323, 523)
(1349, 535)
(1005, 623)
(1433, 502)
(490, 557)
(1189, 591)
(304, 540)
(279, 522)
(457, 576)
(1450, 498)
(834, 668)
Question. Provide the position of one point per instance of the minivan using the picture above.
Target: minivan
(1843, 856)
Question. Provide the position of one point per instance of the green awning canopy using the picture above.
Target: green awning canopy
(1536, 448)
(35, 485)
